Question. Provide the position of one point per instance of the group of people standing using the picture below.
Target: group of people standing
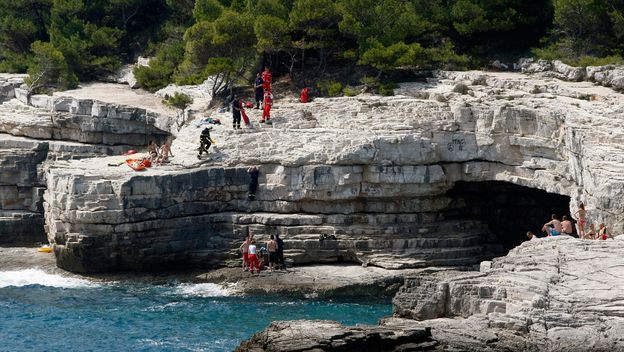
(263, 95)
(254, 259)
(556, 227)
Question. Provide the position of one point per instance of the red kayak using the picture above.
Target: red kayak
(135, 164)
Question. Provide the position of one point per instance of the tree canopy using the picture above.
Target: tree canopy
(190, 40)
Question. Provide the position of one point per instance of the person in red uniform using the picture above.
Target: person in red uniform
(266, 79)
(268, 101)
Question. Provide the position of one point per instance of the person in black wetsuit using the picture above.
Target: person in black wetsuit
(280, 253)
(236, 113)
(253, 184)
(259, 90)
(204, 142)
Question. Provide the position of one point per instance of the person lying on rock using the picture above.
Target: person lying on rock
(553, 227)
(204, 142)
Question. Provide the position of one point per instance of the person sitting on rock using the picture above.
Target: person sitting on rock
(152, 150)
(165, 153)
(204, 142)
(591, 234)
(553, 227)
(603, 232)
(566, 226)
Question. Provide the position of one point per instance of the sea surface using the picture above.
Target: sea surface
(40, 311)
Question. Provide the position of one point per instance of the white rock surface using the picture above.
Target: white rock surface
(355, 167)
(554, 294)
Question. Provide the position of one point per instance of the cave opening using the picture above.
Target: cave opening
(509, 210)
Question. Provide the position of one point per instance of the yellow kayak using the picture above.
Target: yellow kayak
(45, 249)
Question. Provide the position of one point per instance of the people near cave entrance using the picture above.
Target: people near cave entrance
(581, 216)
(244, 248)
(591, 234)
(531, 236)
(566, 226)
(553, 227)
(603, 233)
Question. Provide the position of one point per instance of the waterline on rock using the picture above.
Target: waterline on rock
(28, 277)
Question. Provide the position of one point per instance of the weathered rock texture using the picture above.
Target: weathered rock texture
(55, 129)
(320, 335)
(554, 294)
(379, 173)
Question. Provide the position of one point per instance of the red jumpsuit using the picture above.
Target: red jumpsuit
(266, 113)
(266, 80)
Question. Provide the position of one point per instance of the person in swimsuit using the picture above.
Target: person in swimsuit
(566, 226)
(152, 150)
(531, 236)
(603, 233)
(244, 248)
(591, 234)
(581, 216)
(272, 247)
(553, 227)
(253, 257)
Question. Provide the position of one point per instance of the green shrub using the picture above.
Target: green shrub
(350, 91)
(387, 89)
(370, 82)
(329, 88)
(585, 61)
(178, 100)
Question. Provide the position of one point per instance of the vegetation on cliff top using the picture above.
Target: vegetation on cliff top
(191, 40)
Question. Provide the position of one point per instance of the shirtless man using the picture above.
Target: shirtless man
(555, 230)
(244, 248)
(272, 247)
(566, 226)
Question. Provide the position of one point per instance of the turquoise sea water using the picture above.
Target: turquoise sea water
(44, 312)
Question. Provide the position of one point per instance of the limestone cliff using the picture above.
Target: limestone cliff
(389, 177)
(555, 294)
(54, 129)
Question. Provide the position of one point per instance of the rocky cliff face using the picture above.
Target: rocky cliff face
(55, 129)
(381, 174)
(553, 294)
